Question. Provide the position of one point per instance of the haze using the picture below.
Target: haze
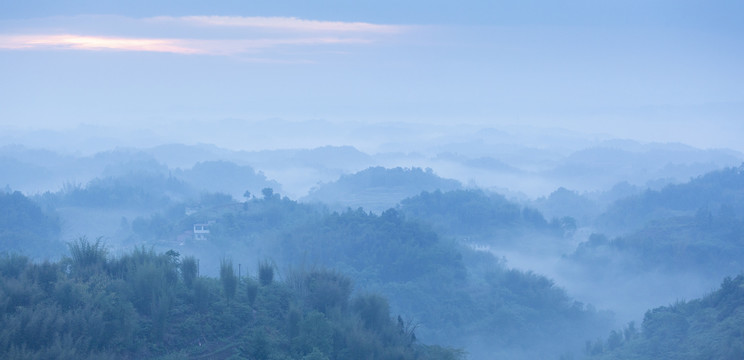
(663, 72)
(552, 166)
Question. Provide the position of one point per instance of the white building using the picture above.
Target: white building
(201, 231)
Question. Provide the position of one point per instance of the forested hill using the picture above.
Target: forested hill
(226, 177)
(474, 213)
(27, 228)
(721, 190)
(134, 190)
(461, 297)
(697, 227)
(706, 328)
(148, 305)
(378, 188)
(707, 244)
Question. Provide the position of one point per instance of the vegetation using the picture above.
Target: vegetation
(707, 328)
(265, 273)
(132, 190)
(707, 243)
(259, 218)
(392, 248)
(148, 304)
(137, 306)
(228, 279)
(709, 192)
(425, 276)
(694, 227)
(378, 188)
(25, 227)
(563, 202)
(224, 176)
(474, 213)
(458, 296)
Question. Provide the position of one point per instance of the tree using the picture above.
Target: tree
(268, 193)
(228, 278)
(374, 311)
(188, 271)
(87, 256)
(614, 340)
(265, 272)
(327, 289)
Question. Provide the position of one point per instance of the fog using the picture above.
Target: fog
(516, 181)
(559, 173)
(527, 161)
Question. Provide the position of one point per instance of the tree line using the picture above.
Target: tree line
(145, 304)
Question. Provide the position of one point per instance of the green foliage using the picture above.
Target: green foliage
(12, 264)
(425, 277)
(86, 257)
(228, 278)
(138, 189)
(326, 290)
(260, 218)
(424, 274)
(201, 295)
(189, 269)
(85, 254)
(268, 193)
(136, 306)
(315, 335)
(697, 226)
(475, 213)
(373, 310)
(710, 191)
(385, 246)
(462, 211)
(26, 228)
(378, 188)
(45, 275)
(567, 203)
(265, 272)
(707, 243)
(251, 290)
(310, 313)
(225, 176)
(71, 320)
(707, 328)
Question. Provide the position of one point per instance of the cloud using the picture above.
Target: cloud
(288, 24)
(176, 46)
(83, 42)
(240, 35)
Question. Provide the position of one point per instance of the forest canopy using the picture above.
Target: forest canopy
(151, 305)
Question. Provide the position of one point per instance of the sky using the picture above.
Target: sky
(667, 71)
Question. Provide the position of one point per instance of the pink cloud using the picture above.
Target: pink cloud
(285, 32)
(177, 46)
(283, 24)
(83, 42)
